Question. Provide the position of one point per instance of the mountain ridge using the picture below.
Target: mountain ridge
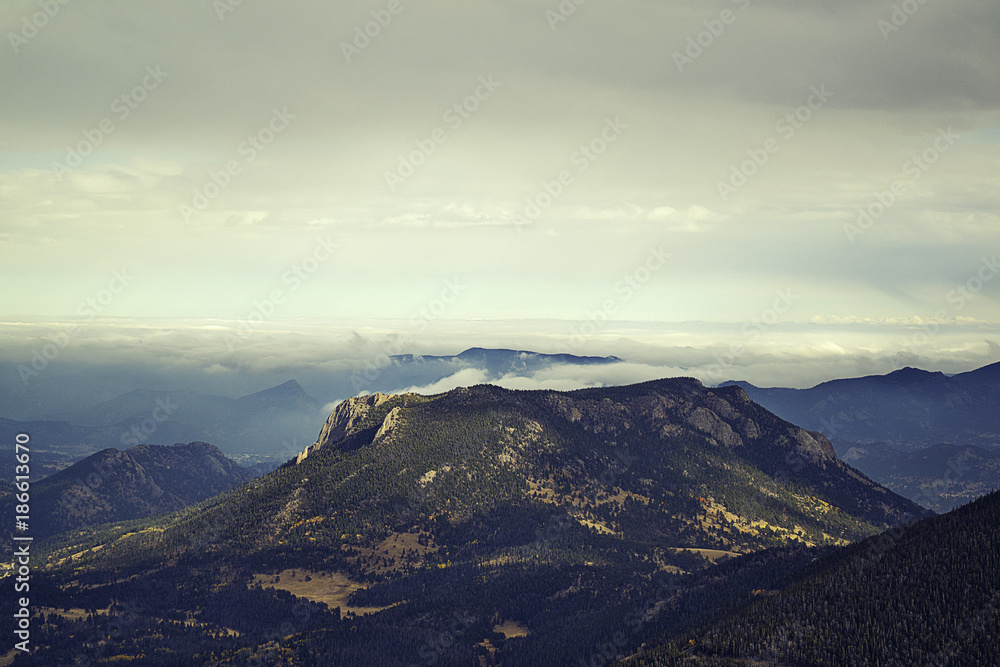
(908, 407)
(119, 485)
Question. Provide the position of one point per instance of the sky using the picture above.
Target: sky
(773, 191)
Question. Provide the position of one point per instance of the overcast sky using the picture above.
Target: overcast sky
(632, 177)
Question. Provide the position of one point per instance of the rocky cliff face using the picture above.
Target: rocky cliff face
(344, 419)
(726, 424)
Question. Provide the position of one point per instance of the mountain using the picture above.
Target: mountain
(908, 408)
(928, 594)
(403, 371)
(941, 477)
(139, 482)
(927, 436)
(500, 360)
(731, 437)
(481, 524)
(141, 403)
(290, 397)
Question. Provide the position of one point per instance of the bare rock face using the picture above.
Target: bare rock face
(391, 421)
(343, 419)
(816, 444)
(709, 423)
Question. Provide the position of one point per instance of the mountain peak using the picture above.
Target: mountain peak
(117, 485)
(910, 374)
(286, 395)
(290, 388)
(743, 384)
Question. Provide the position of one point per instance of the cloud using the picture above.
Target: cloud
(330, 407)
(467, 377)
(68, 373)
(567, 377)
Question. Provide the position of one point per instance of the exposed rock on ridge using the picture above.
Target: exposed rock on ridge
(343, 420)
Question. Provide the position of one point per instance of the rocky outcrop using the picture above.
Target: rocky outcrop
(712, 425)
(391, 421)
(345, 418)
(816, 444)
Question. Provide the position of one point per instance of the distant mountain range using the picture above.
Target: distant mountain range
(502, 361)
(274, 422)
(932, 438)
(908, 408)
(410, 370)
(523, 527)
(70, 390)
